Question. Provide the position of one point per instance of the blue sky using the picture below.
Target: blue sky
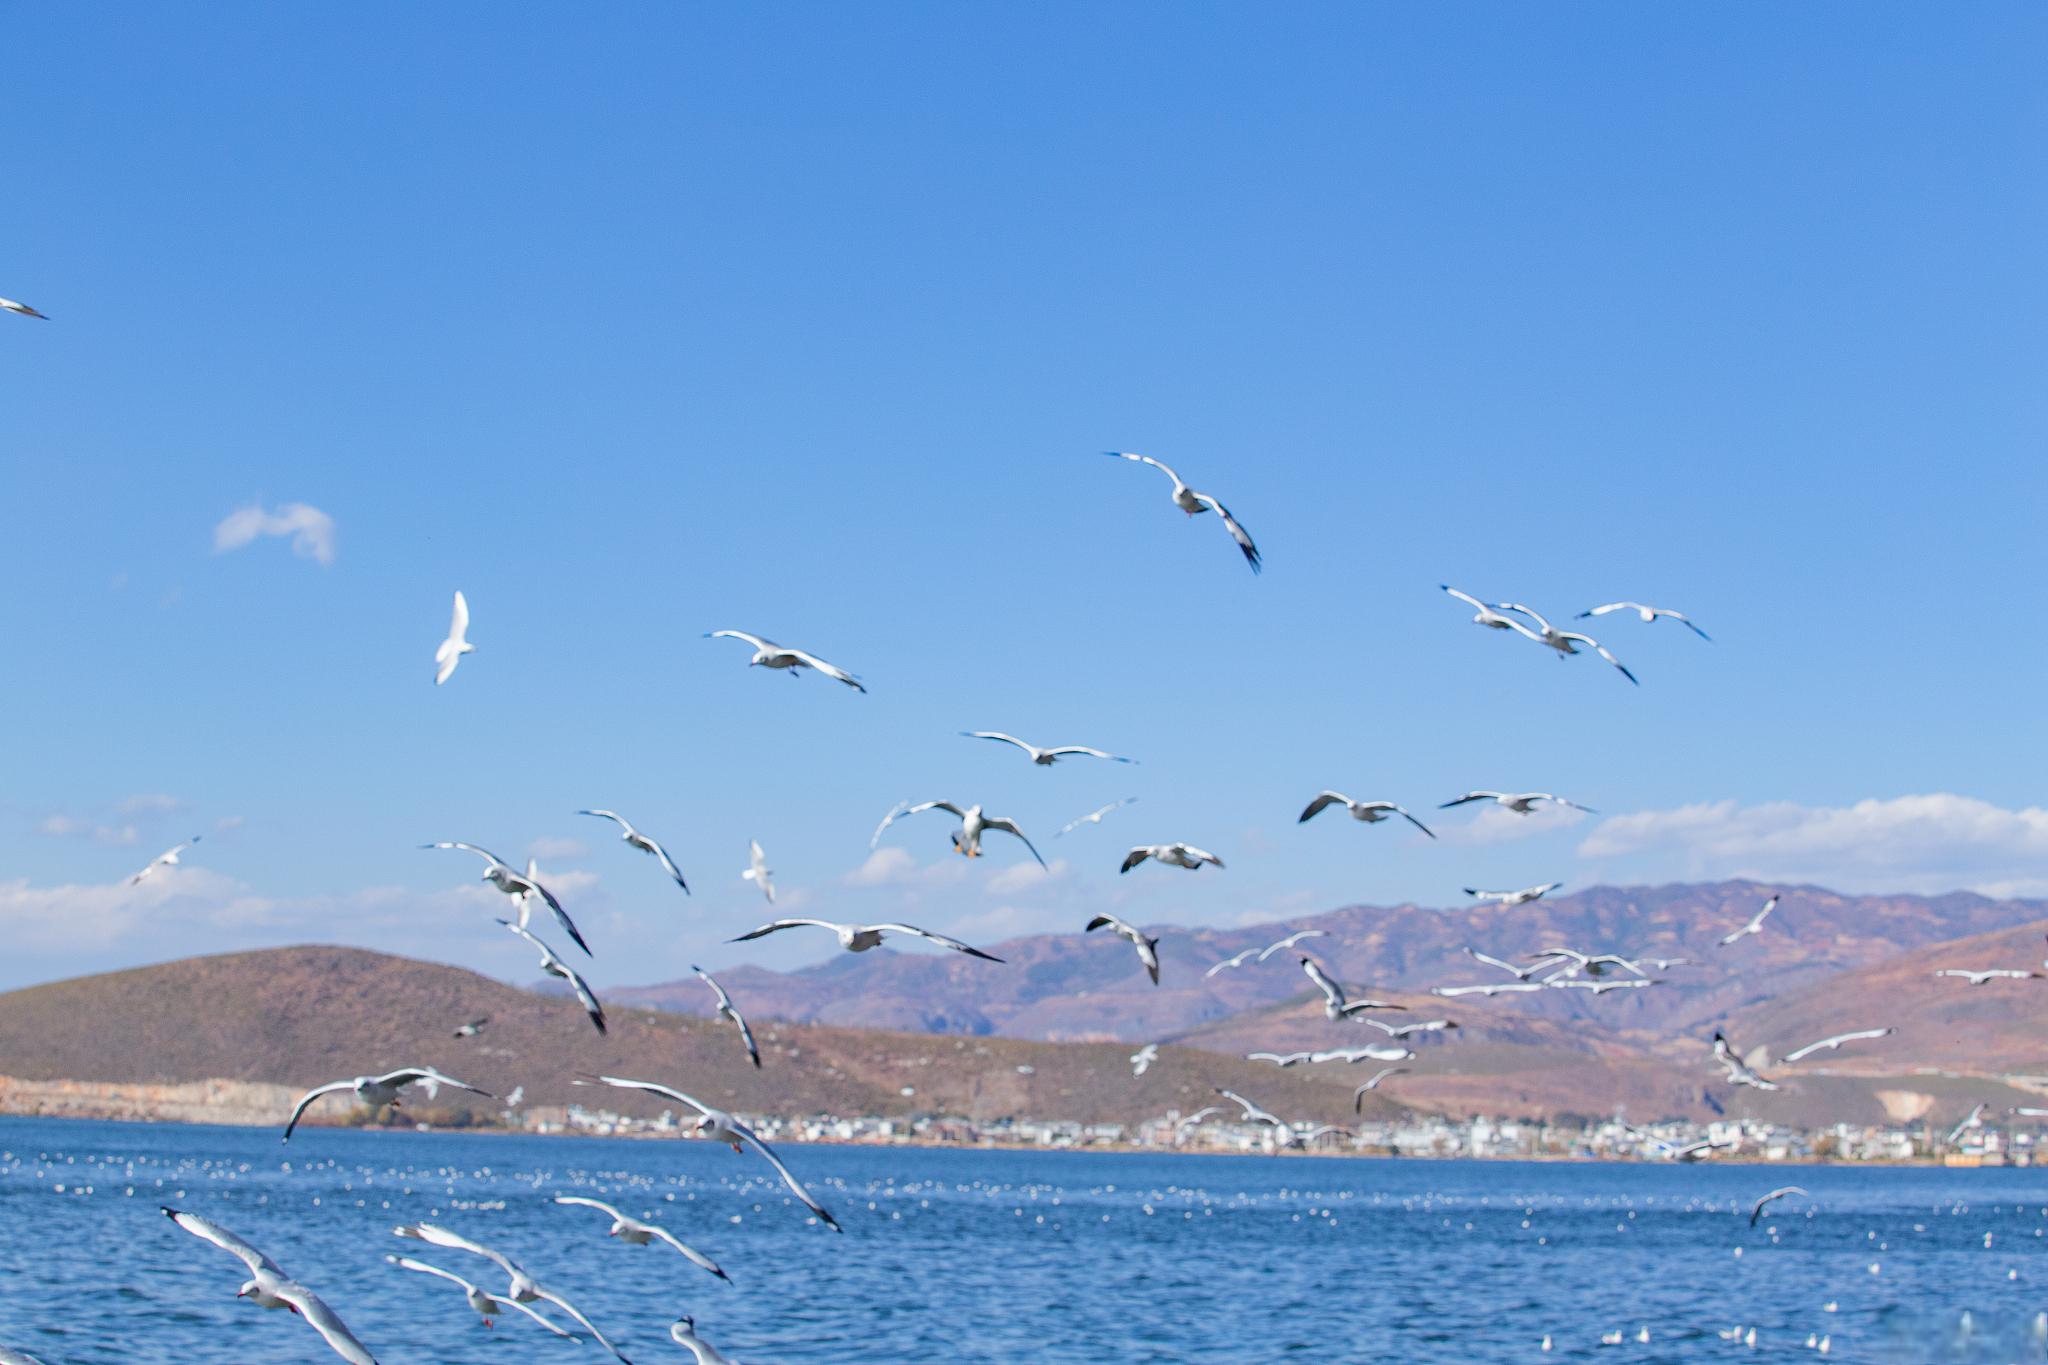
(639, 322)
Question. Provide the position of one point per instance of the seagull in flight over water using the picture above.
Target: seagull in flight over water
(768, 654)
(377, 1092)
(633, 838)
(168, 858)
(269, 1287)
(683, 1332)
(973, 824)
(1094, 817)
(1148, 948)
(450, 651)
(1358, 1095)
(727, 1010)
(1649, 614)
(1192, 503)
(485, 1306)
(555, 967)
(1755, 926)
(858, 938)
(1757, 1210)
(1045, 758)
(1371, 812)
(634, 1232)
(523, 1288)
(518, 885)
(1834, 1043)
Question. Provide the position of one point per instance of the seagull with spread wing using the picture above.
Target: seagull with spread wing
(1834, 1043)
(1147, 948)
(379, 1092)
(1172, 855)
(1045, 758)
(523, 1288)
(728, 1010)
(1739, 1071)
(1489, 989)
(1281, 945)
(634, 1232)
(1093, 817)
(858, 938)
(1648, 615)
(1565, 642)
(768, 654)
(553, 965)
(1756, 1210)
(633, 838)
(1234, 960)
(269, 1287)
(758, 872)
(1978, 976)
(168, 858)
(1358, 1095)
(1335, 1005)
(683, 1332)
(973, 824)
(1142, 1059)
(1194, 503)
(1398, 1031)
(450, 651)
(1370, 812)
(23, 309)
(1521, 803)
(1546, 963)
(1755, 925)
(1282, 1130)
(518, 885)
(1508, 900)
(719, 1126)
(1489, 614)
(484, 1305)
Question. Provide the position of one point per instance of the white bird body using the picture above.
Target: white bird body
(635, 1232)
(1147, 948)
(1835, 1043)
(1093, 817)
(1194, 503)
(768, 654)
(859, 938)
(552, 964)
(1739, 1071)
(519, 886)
(684, 1334)
(379, 1092)
(450, 651)
(1979, 976)
(168, 858)
(1142, 1059)
(758, 872)
(1173, 855)
(269, 1287)
(1508, 900)
(1369, 812)
(1045, 758)
(633, 838)
(1521, 803)
(974, 822)
(1282, 1130)
(13, 307)
(1755, 926)
(1648, 614)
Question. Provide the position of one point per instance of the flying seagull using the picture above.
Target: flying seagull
(1757, 1210)
(683, 1332)
(727, 1010)
(858, 938)
(1180, 1129)
(168, 858)
(269, 1287)
(1044, 758)
(1489, 616)
(10, 1356)
(1510, 899)
(1832, 1044)
(1973, 1119)
(1566, 642)
(484, 1305)
(758, 872)
(1600, 987)
(1175, 855)
(555, 967)
(1142, 1059)
(1349, 1056)
(1358, 1095)
(973, 824)
(1519, 973)
(1371, 812)
(1490, 988)
(1148, 948)
(1521, 803)
(450, 651)
(1192, 503)
(1254, 1114)
(523, 1288)
(518, 885)
(768, 654)
(635, 839)
(1335, 1006)
(1282, 945)
(1979, 977)
(634, 1232)
(1739, 1071)
(1234, 960)
(376, 1092)
(1755, 926)
(11, 306)
(1094, 817)
(473, 1027)
(1403, 1030)
(1649, 614)
(720, 1126)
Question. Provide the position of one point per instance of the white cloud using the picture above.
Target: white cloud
(1932, 843)
(895, 867)
(311, 530)
(556, 846)
(71, 827)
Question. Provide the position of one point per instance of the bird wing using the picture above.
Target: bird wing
(484, 853)
(1323, 801)
(207, 1230)
(775, 926)
(1201, 856)
(408, 1263)
(1470, 796)
(1093, 816)
(432, 1078)
(585, 996)
(1236, 529)
(756, 641)
(653, 1088)
(588, 1203)
(1464, 597)
(796, 1187)
(458, 619)
(999, 736)
(1332, 992)
(1233, 961)
(326, 1322)
(1412, 820)
(561, 915)
(1687, 622)
(1508, 967)
(1611, 606)
(1250, 1110)
(830, 670)
(668, 864)
(955, 944)
(1088, 751)
(1146, 459)
(1604, 652)
(435, 1235)
(558, 1301)
(1009, 826)
(307, 1098)
(1134, 857)
(610, 815)
(1529, 612)
(695, 1257)
(724, 1000)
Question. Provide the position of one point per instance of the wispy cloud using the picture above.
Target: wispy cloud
(311, 530)
(1931, 843)
(1497, 825)
(71, 827)
(557, 846)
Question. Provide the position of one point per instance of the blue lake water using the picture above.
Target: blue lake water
(956, 1256)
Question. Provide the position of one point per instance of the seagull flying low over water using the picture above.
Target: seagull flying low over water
(555, 967)
(1489, 616)
(635, 839)
(973, 824)
(1147, 948)
(768, 654)
(11, 306)
(269, 1287)
(683, 1332)
(1565, 642)
(377, 1092)
(519, 885)
(1192, 503)
(1649, 614)
(1358, 1095)
(1684, 1152)
(1254, 1114)
(1371, 812)
(1521, 803)
(727, 1010)
(1755, 926)
(1173, 855)
(1094, 817)
(168, 858)
(484, 1305)
(523, 1288)
(634, 1232)
(1335, 1006)
(1044, 758)
(1979, 977)
(1739, 1071)
(450, 651)
(1510, 899)
(1757, 1210)
(719, 1126)
(1832, 1044)
(1142, 1059)
(1973, 1119)
(758, 872)
(1283, 944)
(858, 938)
